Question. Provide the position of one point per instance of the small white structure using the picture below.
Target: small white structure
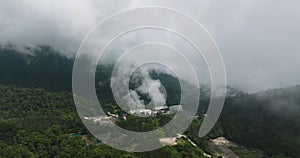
(174, 109)
(157, 108)
(113, 115)
(156, 111)
(101, 119)
(141, 112)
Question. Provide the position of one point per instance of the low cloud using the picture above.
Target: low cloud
(258, 39)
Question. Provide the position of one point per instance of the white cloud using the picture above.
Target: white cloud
(257, 38)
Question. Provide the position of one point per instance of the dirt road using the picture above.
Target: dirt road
(220, 146)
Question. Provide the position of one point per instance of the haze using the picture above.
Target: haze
(258, 39)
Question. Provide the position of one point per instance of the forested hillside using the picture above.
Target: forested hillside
(37, 121)
(268, 120)
(40, 67)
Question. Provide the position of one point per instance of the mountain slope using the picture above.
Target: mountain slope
(43, 67)
(267, 120)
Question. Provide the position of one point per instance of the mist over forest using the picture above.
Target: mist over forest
(270, 116)
(150, 63)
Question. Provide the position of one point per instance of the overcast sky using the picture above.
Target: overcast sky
(258, 39)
